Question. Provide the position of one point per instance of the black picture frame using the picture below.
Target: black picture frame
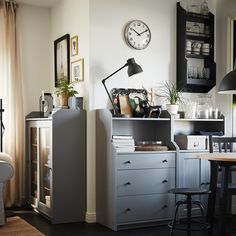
(62, 58)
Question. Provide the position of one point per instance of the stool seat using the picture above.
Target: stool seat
(189, 191)
(189, 202)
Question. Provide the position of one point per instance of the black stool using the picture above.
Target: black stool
(189, 202)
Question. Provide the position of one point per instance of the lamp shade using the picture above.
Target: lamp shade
(228, 84)
(133, 67)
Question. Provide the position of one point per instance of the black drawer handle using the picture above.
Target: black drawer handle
(164, 181)
(127, 162)
(165, 206)
(128, 183)
(207, 183)
(202, 184)
(164, 161)
(127, 210)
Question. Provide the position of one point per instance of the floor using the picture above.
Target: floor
(85, 229)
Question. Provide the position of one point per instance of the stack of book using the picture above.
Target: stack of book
(123, 143)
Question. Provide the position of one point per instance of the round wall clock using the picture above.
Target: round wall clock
(137, 34)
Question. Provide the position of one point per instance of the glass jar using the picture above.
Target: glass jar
(204, 106)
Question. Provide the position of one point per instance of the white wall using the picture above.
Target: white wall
(35, 57)
(109, 50)
(225, 8)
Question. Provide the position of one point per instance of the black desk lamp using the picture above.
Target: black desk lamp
(133, 68)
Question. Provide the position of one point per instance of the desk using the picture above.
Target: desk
(225, 160)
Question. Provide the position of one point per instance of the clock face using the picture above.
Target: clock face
(137, 34)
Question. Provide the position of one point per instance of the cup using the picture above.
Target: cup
(188, 47)
(196, 46)
(206, 49)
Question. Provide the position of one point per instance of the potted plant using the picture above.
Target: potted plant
(65, 90)
(173, 96)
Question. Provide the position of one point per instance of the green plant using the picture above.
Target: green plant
(171, 93)
(65, 88)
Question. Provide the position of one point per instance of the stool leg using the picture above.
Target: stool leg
(189, 209)
(173, 223)
(198, 203)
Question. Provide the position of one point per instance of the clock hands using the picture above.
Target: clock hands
(139, 34)
(143, 32)
(136, 32)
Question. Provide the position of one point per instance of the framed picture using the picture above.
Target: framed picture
(62, 58)
(77, 70)
(74, 46)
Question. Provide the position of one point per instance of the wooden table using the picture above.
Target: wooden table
(224, 160)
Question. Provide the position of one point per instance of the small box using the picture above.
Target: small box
(191, 142)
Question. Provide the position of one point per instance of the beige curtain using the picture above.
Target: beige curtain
(11, 93)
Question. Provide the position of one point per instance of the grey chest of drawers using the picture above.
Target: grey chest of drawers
(132, 188)
(142, 183)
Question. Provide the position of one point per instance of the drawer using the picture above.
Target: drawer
(147, 181)
(144, 207)
(145, 160)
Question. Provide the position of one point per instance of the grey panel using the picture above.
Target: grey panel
(69, 167)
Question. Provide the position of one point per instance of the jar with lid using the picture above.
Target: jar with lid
(204, 106)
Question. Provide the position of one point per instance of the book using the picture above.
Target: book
(122, 137)
(125, 149)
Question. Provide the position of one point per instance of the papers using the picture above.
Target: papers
(123, 143)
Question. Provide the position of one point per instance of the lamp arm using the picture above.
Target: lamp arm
(103, 82)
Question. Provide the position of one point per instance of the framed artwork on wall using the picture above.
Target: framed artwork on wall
(77, 70)
(74, 46)
(62, 58)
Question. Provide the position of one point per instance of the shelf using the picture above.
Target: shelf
(203, 82)
(197, 36)
(199, 120)
(199, 56)
(204, 39)
(197, 17)
(206, 34)
(141, 119)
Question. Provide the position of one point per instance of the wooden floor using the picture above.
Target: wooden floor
(85, 229)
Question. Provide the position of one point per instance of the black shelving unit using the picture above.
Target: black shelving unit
(184, 81)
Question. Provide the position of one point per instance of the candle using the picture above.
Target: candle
(43, 96)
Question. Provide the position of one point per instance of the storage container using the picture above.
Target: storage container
(191, 142)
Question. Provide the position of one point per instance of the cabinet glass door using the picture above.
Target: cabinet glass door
(33, 162)
(45, 166)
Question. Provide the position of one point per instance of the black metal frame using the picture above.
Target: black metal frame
(67, 38)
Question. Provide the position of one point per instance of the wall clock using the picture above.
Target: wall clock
(137, 34)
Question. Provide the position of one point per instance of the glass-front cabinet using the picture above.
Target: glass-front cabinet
(40, 164)
(56, 166)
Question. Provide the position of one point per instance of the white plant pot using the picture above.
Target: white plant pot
(172, 109)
